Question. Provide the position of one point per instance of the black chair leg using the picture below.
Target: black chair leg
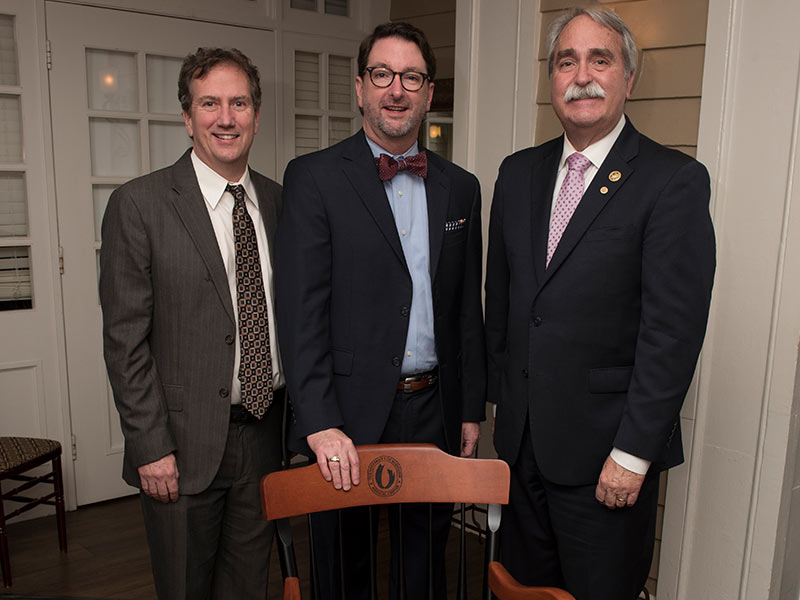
(4, 556)
(61, 518)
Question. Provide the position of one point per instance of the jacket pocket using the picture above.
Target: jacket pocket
(598, 234)
(610, 380)
(342, 361)
(174, 397)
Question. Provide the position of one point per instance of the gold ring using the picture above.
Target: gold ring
(334, 459)
(620, 499)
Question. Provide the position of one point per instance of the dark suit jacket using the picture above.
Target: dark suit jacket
(169, 328)
(344, 292)
(598, 350)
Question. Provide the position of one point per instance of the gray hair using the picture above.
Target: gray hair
(607, 19)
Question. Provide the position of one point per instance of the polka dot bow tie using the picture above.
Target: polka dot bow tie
(416, 164)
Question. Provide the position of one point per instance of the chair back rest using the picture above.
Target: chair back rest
(390, 474)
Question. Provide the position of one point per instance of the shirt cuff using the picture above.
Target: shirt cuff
(630, 462)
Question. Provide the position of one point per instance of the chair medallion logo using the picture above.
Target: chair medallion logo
(385, 476)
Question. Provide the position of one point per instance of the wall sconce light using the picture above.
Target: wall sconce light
(434, 131)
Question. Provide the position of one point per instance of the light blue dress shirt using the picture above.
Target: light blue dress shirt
(407, 198)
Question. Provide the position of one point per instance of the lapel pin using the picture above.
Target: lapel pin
(615, 176)
(604, 190)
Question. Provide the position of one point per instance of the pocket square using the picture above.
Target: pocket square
(455, 225)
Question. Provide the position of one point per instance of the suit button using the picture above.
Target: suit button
(525, 373)
(229, 339)
(396, 361)
(537, 321)
(223, 392)
(405, 311)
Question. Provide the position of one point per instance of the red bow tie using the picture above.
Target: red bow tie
(388, 167)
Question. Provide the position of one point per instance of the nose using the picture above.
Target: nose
(225, 116)
(396, 89)
(583, 74)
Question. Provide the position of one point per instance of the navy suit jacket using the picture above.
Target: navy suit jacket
(344, 293)
(598, 349)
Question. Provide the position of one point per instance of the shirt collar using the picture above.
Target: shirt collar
(596, 152)
(377, 150)
(212, 184)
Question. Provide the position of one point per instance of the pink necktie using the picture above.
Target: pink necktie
(568, 197)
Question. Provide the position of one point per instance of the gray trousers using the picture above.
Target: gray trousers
(216, 544)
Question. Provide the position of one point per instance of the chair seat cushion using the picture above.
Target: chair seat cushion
(16, 451)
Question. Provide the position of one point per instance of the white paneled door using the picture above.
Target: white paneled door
(113, 86)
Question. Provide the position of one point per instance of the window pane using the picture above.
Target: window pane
(9, 72)
(336, 7)
(168, 141)
(162, 79)
(15, 278)
(115, 147)
(340, 83)
(10, 129)
(338, 129)
(13, 205)
(112, 80)
(306, 80)
(306, 134)
(100, 194)
(304, 4)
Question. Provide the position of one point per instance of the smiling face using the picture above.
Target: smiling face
(222, 120)
(588, 55)
(392, 115)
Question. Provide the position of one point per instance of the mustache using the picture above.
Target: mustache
(584, 92)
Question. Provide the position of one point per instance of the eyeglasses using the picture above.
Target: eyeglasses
(382, 77)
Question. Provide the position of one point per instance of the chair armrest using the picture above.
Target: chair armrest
(506, 587)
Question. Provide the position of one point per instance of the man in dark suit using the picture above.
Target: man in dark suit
(600, 268)
(185, 258)
(379, 304)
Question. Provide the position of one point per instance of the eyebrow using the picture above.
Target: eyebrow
(570, 52)
(217, 98)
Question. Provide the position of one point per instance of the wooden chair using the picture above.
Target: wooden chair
(420, 473)
(18, 455)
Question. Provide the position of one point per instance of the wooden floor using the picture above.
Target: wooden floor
(108, 556)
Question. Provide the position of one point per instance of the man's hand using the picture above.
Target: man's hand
(330, 443)
(470, 434)
(618, 487)
(160, 479)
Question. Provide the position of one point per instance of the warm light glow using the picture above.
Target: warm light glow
(434, 131)
(109, 80)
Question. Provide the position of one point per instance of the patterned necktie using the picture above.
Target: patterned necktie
(388, 166)
(568, 198)
(255, 368)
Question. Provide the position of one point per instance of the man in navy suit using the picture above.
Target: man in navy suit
(378, 272)
(600, 267)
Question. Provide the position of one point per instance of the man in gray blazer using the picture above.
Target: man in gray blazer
(189, 341)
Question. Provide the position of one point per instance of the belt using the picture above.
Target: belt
(239, 414)
(420, 381)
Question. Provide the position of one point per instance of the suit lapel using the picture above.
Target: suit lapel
(358, 165)
(191, 208)
(599, 193)
(266, 208)
(543, 181)
(437, 191)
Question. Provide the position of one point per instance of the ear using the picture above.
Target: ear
(629, 85)
(359, 91)
(187, 121)
(255, 122)
(430, 96)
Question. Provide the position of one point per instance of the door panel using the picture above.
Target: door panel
(116, 115)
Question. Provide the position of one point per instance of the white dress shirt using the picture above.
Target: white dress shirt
(219, 203)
